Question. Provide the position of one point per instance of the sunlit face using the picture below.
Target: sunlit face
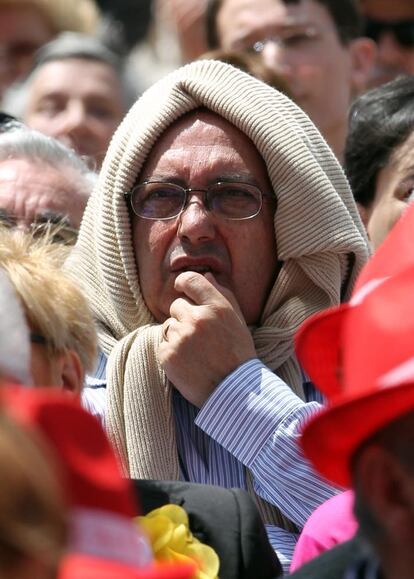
(35, 192)
(395, 185)
(23, 29)
(393, 59)
(77, 101)
(199, 150)
(309, 56)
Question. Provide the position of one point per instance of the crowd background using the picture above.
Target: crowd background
(70, 70)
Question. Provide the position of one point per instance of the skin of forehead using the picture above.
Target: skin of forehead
(207, 118)
(40, 182)
(271, 12)
(96, 77)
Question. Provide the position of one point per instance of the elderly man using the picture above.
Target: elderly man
(220, 222)
(315, 45)
(42, 182)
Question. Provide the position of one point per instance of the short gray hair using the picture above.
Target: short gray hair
(14, 335)
(24, 143)
(66, 46)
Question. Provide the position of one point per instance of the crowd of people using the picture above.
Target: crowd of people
(206, 271)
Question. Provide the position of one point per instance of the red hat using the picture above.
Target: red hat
(104, 541)
(361, 356)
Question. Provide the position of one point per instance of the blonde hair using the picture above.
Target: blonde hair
(76, 15)
(33, 524)
(54, 306)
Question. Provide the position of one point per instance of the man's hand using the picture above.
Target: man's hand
(205, 338)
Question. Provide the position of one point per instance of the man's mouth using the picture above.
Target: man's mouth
(201, 265)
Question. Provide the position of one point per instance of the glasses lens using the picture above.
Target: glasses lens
(235, 200)
(157, 200)
(404, 33)
(373, 29)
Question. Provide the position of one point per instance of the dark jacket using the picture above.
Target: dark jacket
(225, 519)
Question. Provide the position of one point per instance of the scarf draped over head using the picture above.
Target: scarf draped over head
(319, 237)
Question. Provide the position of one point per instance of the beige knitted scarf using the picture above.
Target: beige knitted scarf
(319, 237)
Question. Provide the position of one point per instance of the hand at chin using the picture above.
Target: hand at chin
(205, 338)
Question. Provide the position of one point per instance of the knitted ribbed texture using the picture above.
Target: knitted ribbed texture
(319, 238)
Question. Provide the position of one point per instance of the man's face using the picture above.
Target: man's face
(77, 101)
(393, 57)
(310, 57)
(23, 29)
(395, 185)
(34, 193)
(198, 151)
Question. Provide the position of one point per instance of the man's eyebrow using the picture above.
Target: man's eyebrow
(235, 178)
(223, 178)
(52, 217)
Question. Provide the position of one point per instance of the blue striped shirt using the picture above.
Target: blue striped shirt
(253, 420)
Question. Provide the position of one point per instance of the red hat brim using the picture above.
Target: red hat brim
(318, 345)
(331, 437)
(87, 567)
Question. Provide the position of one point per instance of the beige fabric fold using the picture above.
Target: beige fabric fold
(319, 237)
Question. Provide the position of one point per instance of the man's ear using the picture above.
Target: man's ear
(363, 53)
(72, 372)
(382, 483)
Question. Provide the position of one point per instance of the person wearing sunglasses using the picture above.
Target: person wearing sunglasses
(390, 23)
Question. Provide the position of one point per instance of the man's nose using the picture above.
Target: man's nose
(276, 57)
(73, 119)
(196, 222)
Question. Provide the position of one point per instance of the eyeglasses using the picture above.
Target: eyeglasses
(293, 39)
(158, 200)
(402, 30)
(55, 227)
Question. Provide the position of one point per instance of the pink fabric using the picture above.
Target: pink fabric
(330, 524)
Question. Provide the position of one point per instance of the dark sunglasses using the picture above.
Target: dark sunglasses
(402, 30)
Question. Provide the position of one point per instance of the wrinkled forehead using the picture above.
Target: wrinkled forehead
(213, 135)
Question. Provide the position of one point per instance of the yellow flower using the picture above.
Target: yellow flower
(171, 540)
